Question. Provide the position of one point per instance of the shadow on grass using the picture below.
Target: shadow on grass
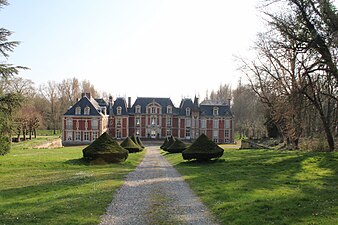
(79, 161)
(260, 187)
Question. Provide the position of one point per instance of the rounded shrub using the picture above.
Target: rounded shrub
(106, 149)
(202, 149)
(130, 145)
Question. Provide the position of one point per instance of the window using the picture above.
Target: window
(138, 109)
(226, 134)
(94, 135)
(187, 111)
(86, 110)
(203, 123)
(168, 132)
(137, 121)
(119, 110)
(215, 111)
(187, 132)
(216, 123)
(77, 136)
(86, 136)
(169, 121)
(169, 109)
(118, 122)
(215, 136)
(95, 124)
(78, 111)
(137, 132)
(153, 121)
(153, 110)
(118, 133)
(77, 124)
(227, 124)
(69, 124)
(188, 123)
(69, 136)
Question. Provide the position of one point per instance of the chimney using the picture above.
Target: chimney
(85, 94)
(110, 99)
(229, 100)
(129, 102)
(88, 95)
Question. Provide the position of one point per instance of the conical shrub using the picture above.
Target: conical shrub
(202, 149)
(177, 147)
(130, 145)
(170, 142)
(166, 140)
(106, 149)
(133, 138)
(139, 142)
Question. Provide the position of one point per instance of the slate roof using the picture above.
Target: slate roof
(84, 102)
(208, 110)
(144, 101)
(186, 103)
(119, 102)
(101, 102)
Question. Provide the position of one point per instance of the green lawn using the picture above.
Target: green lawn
(55, 186)
(266, 187)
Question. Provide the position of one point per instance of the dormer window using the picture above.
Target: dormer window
(78, 111)
(169, 109)
(86, 110)
(215, 112)
(119, 110)
(138, 109)
(153, 110)
(187, 111)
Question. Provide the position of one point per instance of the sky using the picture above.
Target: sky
(136, 48)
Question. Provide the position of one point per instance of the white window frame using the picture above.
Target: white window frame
(187, 132)
(69, 135)
(169, 121)
(187, 111)
(153, 110)
(69, 124)
(94, 135)
(86, 111)
(138, 109)
(169, 132)
(227, 124)
(118, 122)
(86, 136)
(216, 123)
(118, 134)
(78, 110)
(215, 136)
(138, 121)
(95, 124)
(188, 122)
(216, 111)
(137, 132)
(169, 109)
(226, 134)
(77, 136)
(119, 110)
(203, 123)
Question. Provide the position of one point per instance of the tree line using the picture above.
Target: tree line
(293, 79)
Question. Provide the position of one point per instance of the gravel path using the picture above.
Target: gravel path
(155, 193)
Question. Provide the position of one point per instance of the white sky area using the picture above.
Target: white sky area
(173, 48)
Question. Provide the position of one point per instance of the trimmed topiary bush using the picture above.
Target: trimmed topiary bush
(130, 145)
(105, 149)
(202, 149)
(177, 147)
(133, 138)
(139, 142)
(166, 140)
(170, 142)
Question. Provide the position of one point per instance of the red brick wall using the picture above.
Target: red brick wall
(143, 121)
(163, 132)
(209, 124)
(164, 124)
(132, 121)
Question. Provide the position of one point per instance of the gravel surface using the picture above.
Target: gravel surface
(155, 193)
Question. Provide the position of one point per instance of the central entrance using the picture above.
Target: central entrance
(153, 134)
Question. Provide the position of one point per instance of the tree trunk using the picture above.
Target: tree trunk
(34, 131)
(328, 133)
(30, 134)
(19, 133)
(24, 134)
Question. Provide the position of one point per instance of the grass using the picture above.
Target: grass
(55, 186)
(265, 186)
(48, 133)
